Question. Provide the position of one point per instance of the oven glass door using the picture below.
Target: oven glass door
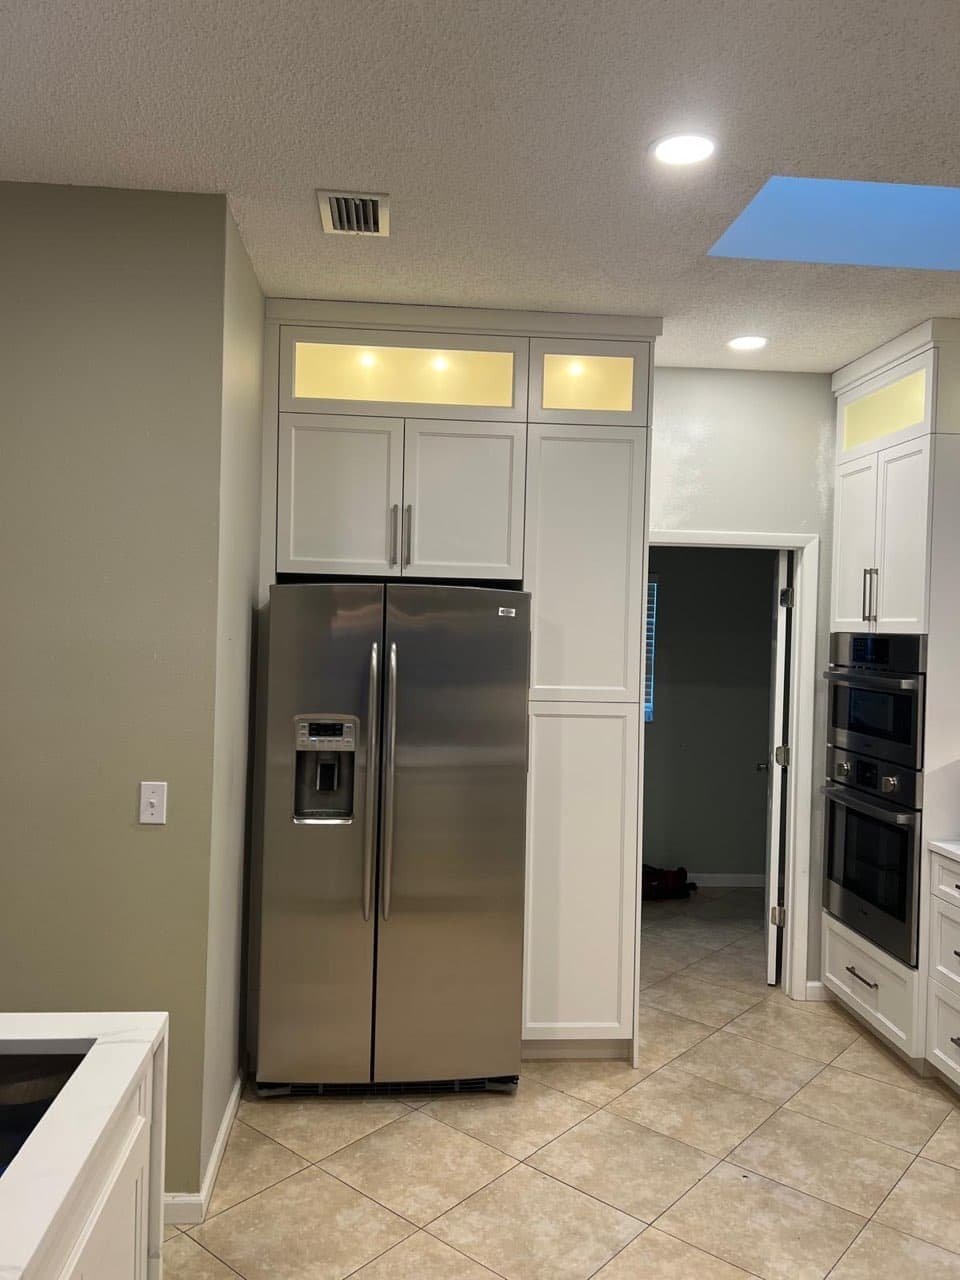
(872, 858)
(877, 717)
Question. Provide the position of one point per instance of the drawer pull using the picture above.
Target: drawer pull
(874, 986)
(955, 1040)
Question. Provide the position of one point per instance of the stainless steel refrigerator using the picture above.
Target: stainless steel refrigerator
(388, 899)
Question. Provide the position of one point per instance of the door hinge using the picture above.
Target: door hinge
(778, 916)
(782, 756)
(786, 597)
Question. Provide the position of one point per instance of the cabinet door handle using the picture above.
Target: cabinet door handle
(957, 954)
(874, 593)
(955, 1040)
(864, 605)
(407, 535)
(394, 533)
(874, 986)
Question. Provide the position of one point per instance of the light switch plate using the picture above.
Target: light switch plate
(153, 802)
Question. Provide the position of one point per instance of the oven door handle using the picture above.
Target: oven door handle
(886, 813)
(883, 684)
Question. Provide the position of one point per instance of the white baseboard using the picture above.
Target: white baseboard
(727, 880)
(551, 1050)
(817, 991)
(188, 1208)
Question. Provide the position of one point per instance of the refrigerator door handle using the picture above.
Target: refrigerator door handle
(390, 749)
(373, 759)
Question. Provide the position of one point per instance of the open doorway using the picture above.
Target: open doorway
(716, 711)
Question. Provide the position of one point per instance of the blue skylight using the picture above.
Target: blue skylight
(863, 224)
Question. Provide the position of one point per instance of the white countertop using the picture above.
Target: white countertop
(36, 1189)
(949, 848)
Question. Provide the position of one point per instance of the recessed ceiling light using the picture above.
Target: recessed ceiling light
(367, 359)
(684, 148)
(439, 363)
(575, 368)
(747, 343)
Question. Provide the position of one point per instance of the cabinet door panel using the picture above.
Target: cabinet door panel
(581, 871)
(114, 1241)
(584, 561)
(903, 537)
(854, 530)
(339, 479)
(463, 485)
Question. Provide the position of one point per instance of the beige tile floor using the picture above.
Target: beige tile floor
(759, 1137)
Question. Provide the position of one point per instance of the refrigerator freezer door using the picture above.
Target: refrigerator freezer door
(316, 948)
(449, 950)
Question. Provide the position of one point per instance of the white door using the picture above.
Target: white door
(903, 537)
(113, 1243)
(463, 499)
(854, 528)
(776, 771)
(584, 561)
(339, 492)
(581, 871)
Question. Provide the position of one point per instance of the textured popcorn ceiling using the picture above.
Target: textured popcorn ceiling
(511, 136)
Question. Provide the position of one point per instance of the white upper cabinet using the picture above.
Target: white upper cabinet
(585, 382)
(339, 494)
(581, 871)
(463, 499)
(584, 561)
(854, 519)
(424, 375)
(903, 537)
(894, 406)
(881, 540)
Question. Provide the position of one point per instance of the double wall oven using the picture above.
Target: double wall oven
(874, 788)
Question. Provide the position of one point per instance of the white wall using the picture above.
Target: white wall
(751, 452)
(237, 576)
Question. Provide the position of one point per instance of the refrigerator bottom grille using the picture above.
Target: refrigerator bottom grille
(480, 1084)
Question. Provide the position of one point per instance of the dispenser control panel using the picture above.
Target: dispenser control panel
(320, 733)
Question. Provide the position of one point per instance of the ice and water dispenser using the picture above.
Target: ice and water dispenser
(324, 779)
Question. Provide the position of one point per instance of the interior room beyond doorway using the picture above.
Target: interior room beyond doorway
(707, 774)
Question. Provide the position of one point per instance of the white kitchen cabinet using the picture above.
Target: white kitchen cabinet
(584, 561)
(895, 405)
(581, 871)
(881, 540)
(114, 1243)
(463, 499)
(580, 382)
(339, 494)
(855, 519)
(903, 537)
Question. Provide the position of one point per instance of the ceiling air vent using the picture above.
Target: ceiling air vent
(354, 213)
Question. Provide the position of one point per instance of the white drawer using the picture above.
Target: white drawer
(943, 1030)
(877, 987)
(945, 877)
(945, 943)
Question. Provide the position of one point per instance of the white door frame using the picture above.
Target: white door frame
(803, 688)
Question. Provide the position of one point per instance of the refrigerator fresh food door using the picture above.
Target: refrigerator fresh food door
(318, 911)
(456, 674)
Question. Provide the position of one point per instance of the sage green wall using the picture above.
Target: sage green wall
(111, 330)
(238, 575)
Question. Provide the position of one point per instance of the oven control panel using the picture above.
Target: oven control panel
(890, 782)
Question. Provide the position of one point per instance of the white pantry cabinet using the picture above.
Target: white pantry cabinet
(881, 540)
(581, 871)
(388, 496)
(584, 561)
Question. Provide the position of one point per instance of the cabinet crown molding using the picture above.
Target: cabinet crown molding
(414, 317)
(919, 338)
